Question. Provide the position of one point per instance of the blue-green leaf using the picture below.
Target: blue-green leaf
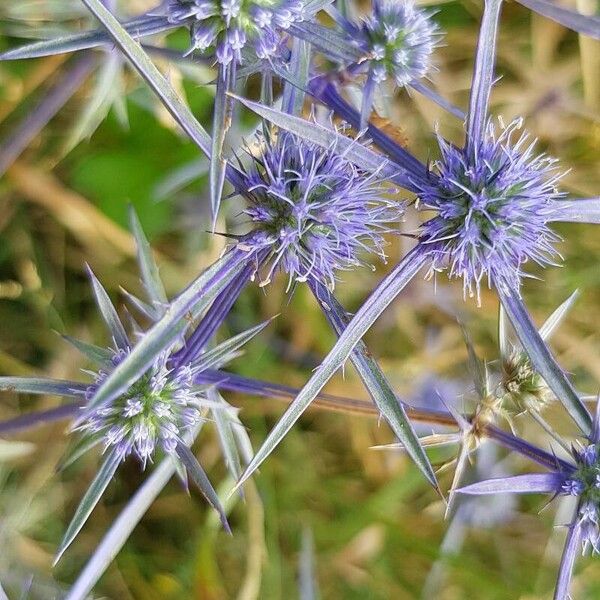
(108, 312)
(587, 24)
(98, 355)
(224, 352)
(333, 44)
(42, 385)
(327, 137)
(199, 477)
(89, 501)
(137, 28)
(293, 91)
(153, 77)
(150, 275)
(577, 211)
(377, 384)
(221, 117)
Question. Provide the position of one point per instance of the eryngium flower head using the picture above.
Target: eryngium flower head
(493, 204)
(225, 27)
(398, 40)
(521, 385)
(154, 413)
(315, 210)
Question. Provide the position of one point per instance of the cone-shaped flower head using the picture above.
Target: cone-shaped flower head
(225, 27)
(397, 39)
(154, 413)
(493, 205)
(521, 385)
(315, 210)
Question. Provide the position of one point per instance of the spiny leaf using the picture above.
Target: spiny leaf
(221, 117)
(218, 356)
(108, 312)
(326, 138)
(477, 367)
(150, 275)
(147, 69)
(377, 385)
(89, 501)
(98, 355)
(138, 27)
(576, 211)
(199, 477)
(43, 385)
(587, 24)
(225, 425)
(328, 41)
(483, 75)
(555, 319)
(293, 92)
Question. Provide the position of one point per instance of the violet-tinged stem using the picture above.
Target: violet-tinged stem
(325, 92)
(39, 418)
(213, 318)
(483, 74)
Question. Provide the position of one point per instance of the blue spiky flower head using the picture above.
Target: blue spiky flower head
(226, 27)
(398, 40)
(315, 210)
(155, 413)
(493, 202)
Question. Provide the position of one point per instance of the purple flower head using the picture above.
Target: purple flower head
(226, 27)
(493, 206)
(154, 413)
(397, 39)
(315, 210)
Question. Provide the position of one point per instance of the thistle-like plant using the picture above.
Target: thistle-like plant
(226, 28)
(579, 477)
(397, 40)
(159, 412)
(495, 200)
(316, 212)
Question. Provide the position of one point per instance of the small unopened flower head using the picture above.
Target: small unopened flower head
(154, 413)
(493, 205)
(315, 210)
(225, 27)
(398, 40)
(521, 386)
